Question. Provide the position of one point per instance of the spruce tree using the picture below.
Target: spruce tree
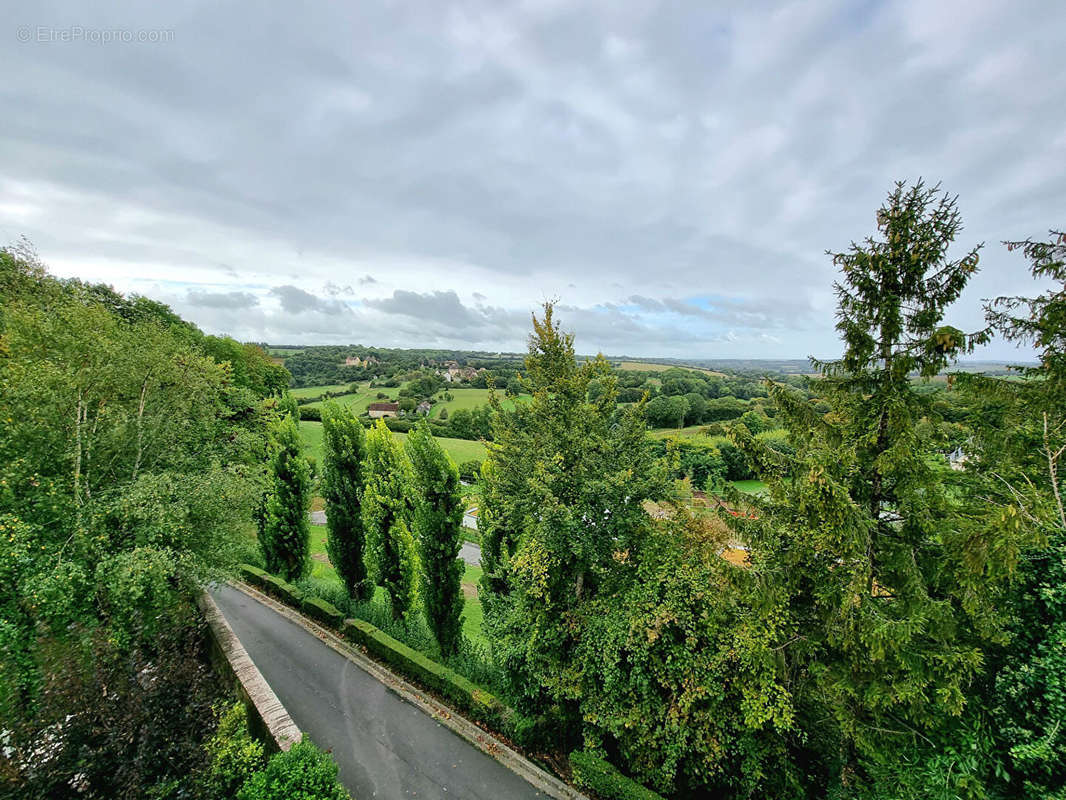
(343, 452)
(1016, 459)
(286, 534)
(860, 535)
(390, 546)
(437, 519)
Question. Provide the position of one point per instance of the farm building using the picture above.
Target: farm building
(378, 410)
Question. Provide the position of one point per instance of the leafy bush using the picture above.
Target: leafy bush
(303, 773)
(592, 772)
(234, 755)
(470, 470)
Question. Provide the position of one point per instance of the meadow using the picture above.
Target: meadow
(469, 399)
(459, 449)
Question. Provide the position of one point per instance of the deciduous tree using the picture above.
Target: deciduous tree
(286, 535)
(343, 454)
(437, 519)
(390, 546)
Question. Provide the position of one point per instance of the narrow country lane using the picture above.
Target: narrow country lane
(385, 747)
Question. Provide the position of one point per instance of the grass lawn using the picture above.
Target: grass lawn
(459, 449)
(750, 487)
(315, 391)
(469, 399)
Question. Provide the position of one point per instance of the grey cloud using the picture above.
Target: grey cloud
(438, 307)
(333, 290)
(646, 145)
(231, 300)
(296, 301)
(480, 297)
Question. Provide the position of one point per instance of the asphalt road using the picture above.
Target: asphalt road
(385, 747)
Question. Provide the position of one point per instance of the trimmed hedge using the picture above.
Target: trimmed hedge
(324, 612)
(468, 696)
(592, 772)
(252, 575)
(273, 585)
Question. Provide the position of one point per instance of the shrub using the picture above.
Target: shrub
(233, 753)
(470, 470)
(592, 772)
(314, 414)
(302, 773)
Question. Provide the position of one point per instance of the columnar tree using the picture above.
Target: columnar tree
(562, 511)
(390, 546)
(343, 452)
(890, 596)
(285, 539)
(437, 519)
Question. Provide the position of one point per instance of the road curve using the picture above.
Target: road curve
(384, 746)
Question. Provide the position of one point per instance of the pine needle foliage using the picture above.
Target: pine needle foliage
(889, 592)
(562, 514)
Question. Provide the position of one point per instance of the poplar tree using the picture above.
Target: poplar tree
(390, 546)
(883, 584)
(437, 519)
(343, 452)
(285, 538)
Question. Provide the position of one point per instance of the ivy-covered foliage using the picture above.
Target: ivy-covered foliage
(437, 519)
(132, 450)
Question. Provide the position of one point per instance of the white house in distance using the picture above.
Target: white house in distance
(378, 410)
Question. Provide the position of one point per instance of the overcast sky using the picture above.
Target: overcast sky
(427, 173)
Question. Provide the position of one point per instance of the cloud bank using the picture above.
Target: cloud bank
(427, 174)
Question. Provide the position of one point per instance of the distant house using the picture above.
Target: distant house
(353, 361)
(424, 407)
(378, 410)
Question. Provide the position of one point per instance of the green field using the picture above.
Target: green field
(667, 433)
(472, 613)
(469, 399)
(359, 401)
(459, 449)
(315, 391)
(640, 366)
(750, 487)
